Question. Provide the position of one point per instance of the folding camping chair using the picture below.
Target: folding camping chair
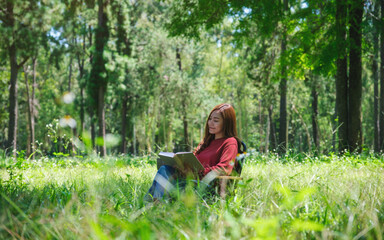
(226, 184)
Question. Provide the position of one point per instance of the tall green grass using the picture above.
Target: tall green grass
(291, 197)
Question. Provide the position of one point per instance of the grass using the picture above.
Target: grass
(297, 196)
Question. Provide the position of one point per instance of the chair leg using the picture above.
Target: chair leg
(223, 187)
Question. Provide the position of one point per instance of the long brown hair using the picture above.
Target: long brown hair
(229, 124)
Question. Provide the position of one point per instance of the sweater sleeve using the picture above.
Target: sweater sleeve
(226, 161)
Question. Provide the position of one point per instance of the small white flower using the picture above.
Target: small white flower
(67, 121)
(112, 139)
(79, 144)
(68, 97)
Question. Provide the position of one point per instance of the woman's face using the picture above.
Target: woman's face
(215, 124)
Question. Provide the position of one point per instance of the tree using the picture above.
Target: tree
(315, 113)
(341, 76)
(98, 76)
(375, 75)
(349, 85)
(10, 23)
(124, 48)
(184, 94)
(311, 55)
(283, 127)
(381, 103)
(31, 106)
(21, 26)
(188, 18)
(355, 134)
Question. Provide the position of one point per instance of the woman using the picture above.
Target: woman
(216, 152)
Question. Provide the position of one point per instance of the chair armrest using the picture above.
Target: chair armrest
(229, 177)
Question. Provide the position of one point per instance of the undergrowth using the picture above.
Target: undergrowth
(280, 197)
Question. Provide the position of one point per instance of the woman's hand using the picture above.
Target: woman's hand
(186, 171)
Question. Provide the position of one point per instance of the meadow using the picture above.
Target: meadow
(291, 197)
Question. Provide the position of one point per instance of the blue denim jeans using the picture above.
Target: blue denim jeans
(164, 183)
(168, 179)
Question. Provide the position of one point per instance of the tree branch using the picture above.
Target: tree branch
(23, 62)
(2, 9)
(4, 12)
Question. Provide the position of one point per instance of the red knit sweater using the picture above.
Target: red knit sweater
(220, 156)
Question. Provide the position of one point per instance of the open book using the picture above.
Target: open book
(181, 160)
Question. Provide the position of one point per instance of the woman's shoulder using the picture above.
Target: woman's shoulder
(230, 140)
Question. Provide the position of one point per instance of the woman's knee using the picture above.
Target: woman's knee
(166, 170)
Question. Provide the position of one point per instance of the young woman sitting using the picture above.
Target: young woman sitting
(216, 152)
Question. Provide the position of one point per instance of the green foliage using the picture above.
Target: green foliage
(237, 59)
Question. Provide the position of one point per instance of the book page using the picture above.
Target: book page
(167, 154)
(166, 158)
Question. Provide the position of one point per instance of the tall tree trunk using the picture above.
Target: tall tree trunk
(124, 124)
(184, 111)
(375, 75)
(186, 137)
(74, 131)
(101, 41)
(267, 134)
(90, 106)
(334, 130)
(381, 114)
(81, 62)
(101, 117)
(168, 137)
(13, 111)
(98, 84)
(261, 122)
(31, 108)
(93, 128)
(9, 23)
(308, 136)
(341, 75)
(134, 136)
(315, 113)
(13, 104)
(272, 135)
(82, 112)
(123, 46)
(283, 130)
(34, 111)
(70, 74)
(355, 134)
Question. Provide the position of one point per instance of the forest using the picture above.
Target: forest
(92, 90)
(137, 77)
